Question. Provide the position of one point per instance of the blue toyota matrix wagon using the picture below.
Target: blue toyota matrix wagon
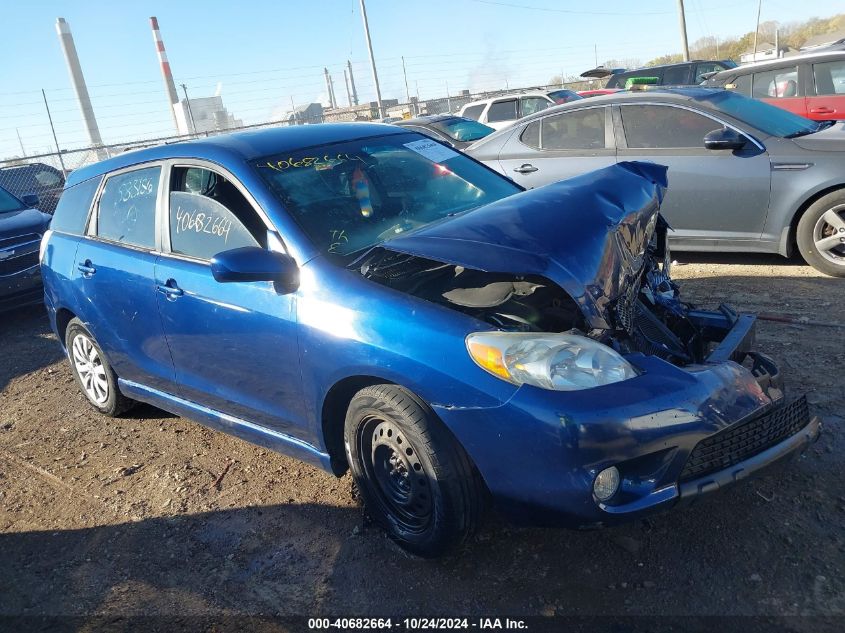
(363, 297)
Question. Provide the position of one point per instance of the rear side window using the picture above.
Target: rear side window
(830, 78)
(127, 208)
(582, 129)
(208, 215)
(775, 84)
(502, 111)
(473, 112)
(705, 68)
(71, 214)
(677, 76)
(648, 126)
(530, 105)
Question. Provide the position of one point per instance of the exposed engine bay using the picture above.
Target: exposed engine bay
(647, 317)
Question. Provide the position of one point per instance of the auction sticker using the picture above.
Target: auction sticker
(432, 150)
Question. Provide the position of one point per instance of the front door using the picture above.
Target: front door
(234, 345)
(114, 272)
(712, 194)
(559, 146)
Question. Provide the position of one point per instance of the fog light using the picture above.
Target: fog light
(606, 484)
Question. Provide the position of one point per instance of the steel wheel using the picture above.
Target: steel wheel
(402, 489)
(829, 234)
(90, 368)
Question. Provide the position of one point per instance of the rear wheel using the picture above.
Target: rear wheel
(92, 371)
(821, 234)
(413, 476)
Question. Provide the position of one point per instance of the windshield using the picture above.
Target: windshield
(8, 202)
(768, 118)
(462, 129)
(351, 196)
(564, 96)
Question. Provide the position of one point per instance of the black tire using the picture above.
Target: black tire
(114, 403)
(415, 479)
(811, 227)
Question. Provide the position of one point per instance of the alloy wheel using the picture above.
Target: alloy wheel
(829, 234)
(89, 367)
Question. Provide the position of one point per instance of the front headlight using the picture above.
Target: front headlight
(562, 362)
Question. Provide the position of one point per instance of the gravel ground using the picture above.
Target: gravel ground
(122, 517)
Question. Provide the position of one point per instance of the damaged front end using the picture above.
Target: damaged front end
(587, 256)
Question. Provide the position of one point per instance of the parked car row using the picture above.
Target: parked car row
(745, 176)
(365, 298)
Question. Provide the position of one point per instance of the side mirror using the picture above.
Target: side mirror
(724, 138)
(30, 200)
(252, 263)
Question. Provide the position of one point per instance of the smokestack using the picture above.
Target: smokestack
(329, 88)
(78, 81)
(165, 70)
(352, 83)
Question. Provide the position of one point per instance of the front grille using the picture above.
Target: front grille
(741, 441)
(17, 264)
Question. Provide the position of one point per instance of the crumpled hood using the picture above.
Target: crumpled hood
(587, 234)
(14, 223)
(830, 140)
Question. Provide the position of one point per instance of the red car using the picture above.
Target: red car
(811, 85)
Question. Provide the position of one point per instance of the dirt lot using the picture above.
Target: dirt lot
(102, 516)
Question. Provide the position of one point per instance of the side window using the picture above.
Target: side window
(742, 85)
(677, 76)
(208, 215)
(127, 208)
(531, 135)
(427, 132)
(775, 84)
(582, 129)
(473, 112)
(830, 78)
(502, 111)
(650, 126)
(71, 214)
(530, 105)
(704, 68)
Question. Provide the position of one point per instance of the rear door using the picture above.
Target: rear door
(559, 146)
(234, 345)
(782, 87)
(114, 273)
(829, 100)
(712, 194)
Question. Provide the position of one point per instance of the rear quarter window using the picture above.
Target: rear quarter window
(473, 111)
(71, 214)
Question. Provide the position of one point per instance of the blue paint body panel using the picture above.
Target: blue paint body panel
(257, 362)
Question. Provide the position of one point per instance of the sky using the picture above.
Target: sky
(262, 54)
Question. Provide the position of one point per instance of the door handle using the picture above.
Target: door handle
(170, 290)
(527, 168)
(86, 269)
(822, 110)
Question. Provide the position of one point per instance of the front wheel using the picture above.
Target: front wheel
(821, 234)
(413, 476)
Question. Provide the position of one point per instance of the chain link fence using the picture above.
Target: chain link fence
(43, 175)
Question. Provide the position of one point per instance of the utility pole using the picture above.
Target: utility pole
(372, 59)
(293, 110)
(53, 129)
(682, 21)
(596, 53)
(757, 29)
(20, 142)
(405, 75)
(448, 98)
(346, 82)
(188, 105)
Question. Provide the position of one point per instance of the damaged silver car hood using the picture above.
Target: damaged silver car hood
(587, 234)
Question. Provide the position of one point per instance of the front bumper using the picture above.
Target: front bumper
(539, 452)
